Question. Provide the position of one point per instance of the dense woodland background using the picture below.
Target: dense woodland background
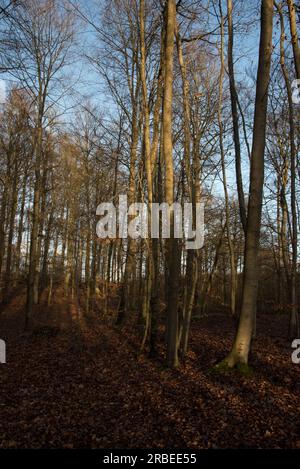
(187, 101)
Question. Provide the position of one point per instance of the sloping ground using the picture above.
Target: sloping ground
(75, 383)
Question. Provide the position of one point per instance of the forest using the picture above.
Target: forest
(171, 321)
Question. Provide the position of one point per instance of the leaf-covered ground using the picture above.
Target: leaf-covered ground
(76, 383)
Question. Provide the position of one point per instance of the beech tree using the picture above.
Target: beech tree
(173, 126)
(241, 347)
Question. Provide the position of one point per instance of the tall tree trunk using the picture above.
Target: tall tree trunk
(148, 166)
(224, 177)
(172, 257)
(127, 291)
(235, 118)
(35, 223)
(2, 222)
(21, 220)
(294, 322)
(193, 183)
(12, 215)
(42, 209)
(241, 347)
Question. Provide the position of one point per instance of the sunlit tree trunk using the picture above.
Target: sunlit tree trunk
(172, 259)
(241, 347)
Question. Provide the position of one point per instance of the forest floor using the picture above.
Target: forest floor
(76, 383)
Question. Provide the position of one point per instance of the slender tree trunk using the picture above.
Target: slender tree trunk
(172, 255)
(224, 177)
(2, 223)
(127, 291)
(48, 233)
(235, 118)
(34, 224)
(148, 167)
(20, 227)
(193, 184)
(12, 216)
(42, 209)
(294, 322)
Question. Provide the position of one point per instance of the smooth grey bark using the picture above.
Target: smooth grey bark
(241, 346)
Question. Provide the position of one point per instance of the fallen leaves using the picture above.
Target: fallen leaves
(76, 386)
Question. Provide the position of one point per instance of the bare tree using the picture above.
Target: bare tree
(241, 347)
(39, 35)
